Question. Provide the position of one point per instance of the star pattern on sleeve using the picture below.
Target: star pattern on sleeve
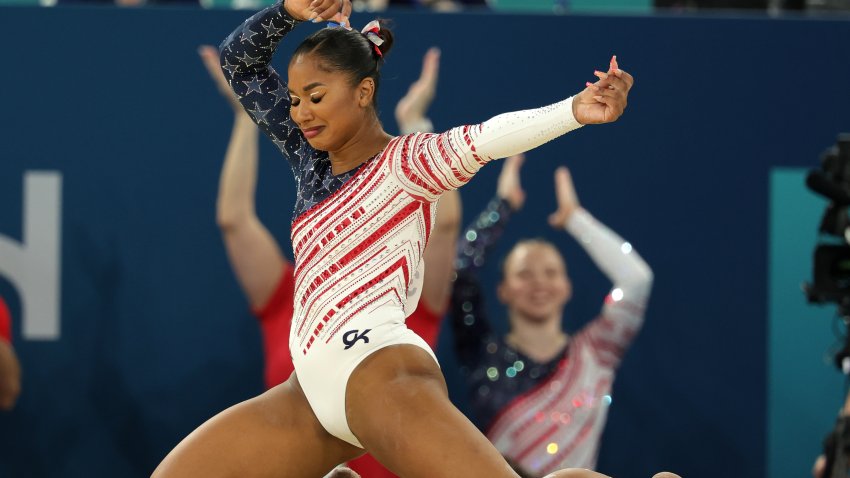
(281, 144)
(248, 36)
(259, 114)
(272, 30)
(230, 67)
(254, 84)
(248, 60)
(246, 57)
(280, 93)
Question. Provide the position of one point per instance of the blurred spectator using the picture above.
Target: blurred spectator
(436, 5)
(10, 369)
(124, 3)
(711, 4)
(774, 6)
(442, 5)
(369, 5)
(779, 5)
(827, 5)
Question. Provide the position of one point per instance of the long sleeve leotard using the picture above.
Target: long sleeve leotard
(358, 237)
(546, 416)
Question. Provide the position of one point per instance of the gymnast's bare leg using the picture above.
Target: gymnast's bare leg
(273, 435)
(579, 473)
(398, 407)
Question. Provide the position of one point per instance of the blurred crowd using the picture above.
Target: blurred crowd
(554, 6)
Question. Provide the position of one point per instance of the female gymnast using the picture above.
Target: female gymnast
(540, 395)
(266, 276)
(364, 211)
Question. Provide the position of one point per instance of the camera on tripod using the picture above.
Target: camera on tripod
(831, 277)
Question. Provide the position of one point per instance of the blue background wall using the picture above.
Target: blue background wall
(155, 335)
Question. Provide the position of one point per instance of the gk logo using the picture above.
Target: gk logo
(352, 336)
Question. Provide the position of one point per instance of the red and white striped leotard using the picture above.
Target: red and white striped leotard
(358, 238)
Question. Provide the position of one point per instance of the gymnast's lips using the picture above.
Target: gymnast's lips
(312, 132)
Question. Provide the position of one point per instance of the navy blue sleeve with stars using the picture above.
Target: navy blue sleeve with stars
(245, 59)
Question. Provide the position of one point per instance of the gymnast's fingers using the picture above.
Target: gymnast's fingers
(325, 9)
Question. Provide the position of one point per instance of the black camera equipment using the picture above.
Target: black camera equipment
(831, 276)
(836, 449)
(832, 256)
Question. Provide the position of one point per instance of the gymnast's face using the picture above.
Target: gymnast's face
(535, 286)
(328, 109)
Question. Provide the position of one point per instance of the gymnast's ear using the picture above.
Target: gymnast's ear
(365, 92)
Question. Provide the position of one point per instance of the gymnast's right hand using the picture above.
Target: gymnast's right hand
(319, 10)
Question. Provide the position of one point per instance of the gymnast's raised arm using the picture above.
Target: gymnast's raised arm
(245, 59)
(437, 163)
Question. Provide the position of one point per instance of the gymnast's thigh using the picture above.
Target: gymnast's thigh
(275, 434)
(398, 408)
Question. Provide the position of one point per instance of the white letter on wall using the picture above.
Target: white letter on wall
(33, 265)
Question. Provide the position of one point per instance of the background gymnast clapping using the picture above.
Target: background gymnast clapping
(542, 395)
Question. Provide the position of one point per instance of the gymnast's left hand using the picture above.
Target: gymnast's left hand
(605, 100)
(319, 10)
